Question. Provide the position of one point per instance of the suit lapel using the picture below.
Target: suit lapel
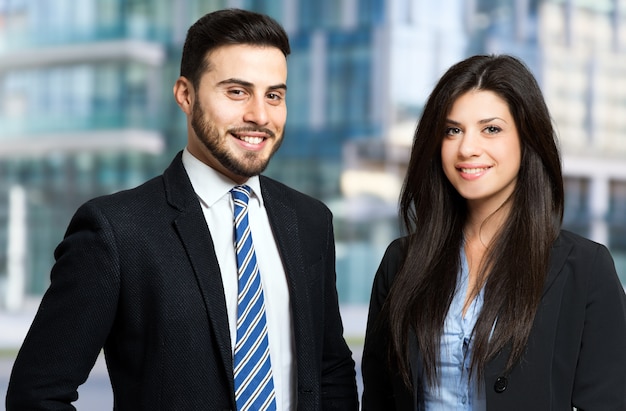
(559, 254)
(558, 257)
(191, 227)
(284, 222)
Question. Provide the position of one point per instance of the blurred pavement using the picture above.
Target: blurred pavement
(14, 325)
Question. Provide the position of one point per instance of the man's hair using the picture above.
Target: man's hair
(228, 27)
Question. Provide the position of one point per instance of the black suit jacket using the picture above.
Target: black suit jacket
(136, 274)
(576, 353)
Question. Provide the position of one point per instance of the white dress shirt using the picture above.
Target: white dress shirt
(213, 191)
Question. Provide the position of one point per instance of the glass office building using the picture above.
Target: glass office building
(584, 79)
(577, 51)
(86, 108)
(82, 92)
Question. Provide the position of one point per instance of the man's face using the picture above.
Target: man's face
(237, 114)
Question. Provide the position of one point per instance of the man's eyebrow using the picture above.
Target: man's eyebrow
(247, 84)
(240, 82)
(280, 86)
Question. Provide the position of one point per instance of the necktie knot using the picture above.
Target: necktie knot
(241, 195)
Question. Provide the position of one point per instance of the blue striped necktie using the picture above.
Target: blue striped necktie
(254, 385)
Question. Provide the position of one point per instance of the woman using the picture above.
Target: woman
(487, 303)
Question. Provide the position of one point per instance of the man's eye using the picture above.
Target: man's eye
(236, 92)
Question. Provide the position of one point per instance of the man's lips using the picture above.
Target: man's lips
(252, 139)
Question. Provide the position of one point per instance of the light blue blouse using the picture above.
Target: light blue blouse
(455, 391)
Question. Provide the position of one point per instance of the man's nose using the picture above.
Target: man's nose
(256, 111)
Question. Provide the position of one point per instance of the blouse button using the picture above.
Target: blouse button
(500, 385)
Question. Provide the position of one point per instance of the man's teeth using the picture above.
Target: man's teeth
(472, 170)
(251, 140)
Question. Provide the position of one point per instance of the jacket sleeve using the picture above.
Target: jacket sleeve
(382, 389)
(600, 378)
(73, 319)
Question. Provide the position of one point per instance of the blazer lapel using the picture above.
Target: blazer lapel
(284, 222)
(559, 254)
(195, 236)
(558, 257)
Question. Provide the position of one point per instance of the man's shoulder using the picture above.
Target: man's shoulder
(172, 184)
(274, 190)
(147, 190)
(143, 204)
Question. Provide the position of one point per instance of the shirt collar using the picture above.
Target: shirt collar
(210, 185)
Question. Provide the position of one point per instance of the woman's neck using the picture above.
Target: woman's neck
(481, 228)
(483, 224)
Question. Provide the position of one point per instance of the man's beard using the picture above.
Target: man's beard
(206, 132)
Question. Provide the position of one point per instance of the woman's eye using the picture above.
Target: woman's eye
(492, 130)
(451, 131)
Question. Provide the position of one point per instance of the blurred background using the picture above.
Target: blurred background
(86, 109)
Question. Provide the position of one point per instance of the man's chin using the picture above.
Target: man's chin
(247, 170)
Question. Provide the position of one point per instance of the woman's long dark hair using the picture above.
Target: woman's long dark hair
(434, 214)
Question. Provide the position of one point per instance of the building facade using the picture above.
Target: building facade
(577, 51)
(583, 66)
(86, 106)
(86, 109)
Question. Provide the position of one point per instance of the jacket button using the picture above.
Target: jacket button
(500, 385)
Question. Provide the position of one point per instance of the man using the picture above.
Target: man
(151, 274)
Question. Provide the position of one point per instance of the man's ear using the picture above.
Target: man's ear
(184, 94)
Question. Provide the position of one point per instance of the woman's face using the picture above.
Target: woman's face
(481, 152)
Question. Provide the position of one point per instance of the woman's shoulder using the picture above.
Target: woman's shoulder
(585, 259)
(397, 249)
(580, 245)
(570, 238)
(392, 260)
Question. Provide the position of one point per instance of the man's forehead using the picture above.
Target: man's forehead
(247, 65)
(245, 52)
